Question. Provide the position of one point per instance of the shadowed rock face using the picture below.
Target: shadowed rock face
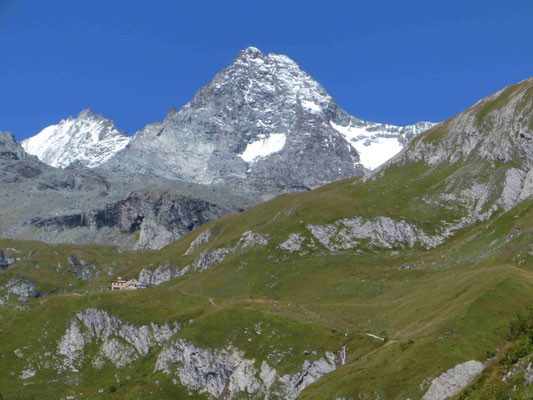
(10, 149)
(79, 205)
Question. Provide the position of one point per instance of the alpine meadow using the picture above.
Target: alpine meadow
(261, 242)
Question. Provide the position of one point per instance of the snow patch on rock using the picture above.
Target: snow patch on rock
(310, 106)
(264, 147)
(377, 143)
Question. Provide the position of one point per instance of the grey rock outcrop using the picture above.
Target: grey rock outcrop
(22, 288)
(10, 149)
(209, 257)
(293, 243)
(251, 239)
(27, 373)
(9, 257)
(453, 380)
(220, 373)
(523, 368)
(118, 353)
(80, 268)
(98, 325)
(382, 232)
(198, 241)
(70, 347)
(226, 372)
(163, 273)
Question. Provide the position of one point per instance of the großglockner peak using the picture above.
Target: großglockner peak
(262, 121)
(88, 139)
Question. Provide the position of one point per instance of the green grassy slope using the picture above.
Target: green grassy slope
(435, 307)
(508, 373)
(453, 305)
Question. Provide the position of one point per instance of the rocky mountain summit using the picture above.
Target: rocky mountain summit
(262, 127)
(88, 139)
(262, 120)
(262, 123)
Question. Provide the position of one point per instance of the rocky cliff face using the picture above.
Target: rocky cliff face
(88, 139)
(78, 205)
(498, 128)
(262, 121)
(10, 149)
(218, 373)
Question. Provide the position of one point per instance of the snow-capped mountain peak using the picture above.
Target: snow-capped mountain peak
(89, 139)
(264, 121)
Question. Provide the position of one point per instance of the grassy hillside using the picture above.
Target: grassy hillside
(419, 268)
(508, 374)
(452, 304)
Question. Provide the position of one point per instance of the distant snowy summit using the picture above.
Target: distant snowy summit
(261, 121)
(88, 139)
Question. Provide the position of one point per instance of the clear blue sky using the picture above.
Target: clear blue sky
(387, 61)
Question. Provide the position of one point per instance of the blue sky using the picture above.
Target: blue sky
(388, 61)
